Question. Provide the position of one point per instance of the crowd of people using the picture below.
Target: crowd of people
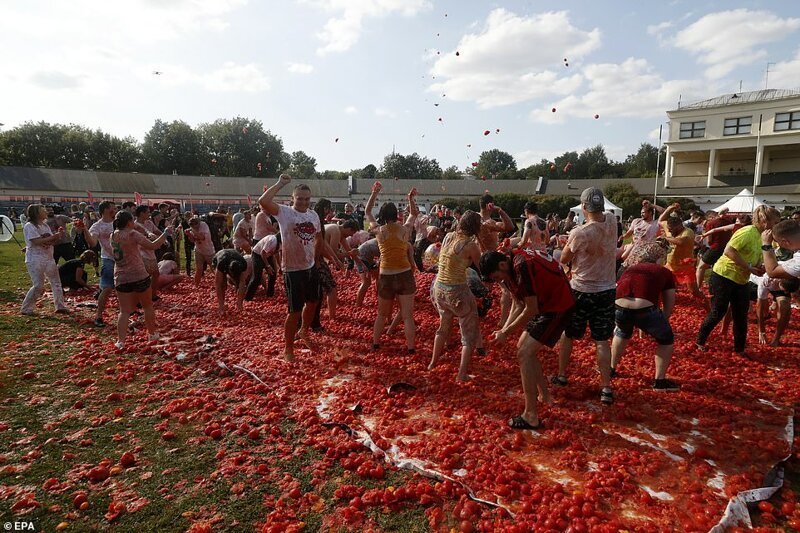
(555, 278)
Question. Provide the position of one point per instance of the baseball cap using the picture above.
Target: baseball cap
(593, 199)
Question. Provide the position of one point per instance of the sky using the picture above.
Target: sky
(423, 76)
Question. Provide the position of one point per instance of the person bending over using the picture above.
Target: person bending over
(169, 272)
(73, 273)
(542, 304)
(265, 253)
(640, 289)
(230, 265)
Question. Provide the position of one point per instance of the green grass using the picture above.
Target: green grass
(38, 345)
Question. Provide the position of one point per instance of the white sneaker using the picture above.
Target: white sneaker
(154, 337)
(119, 345)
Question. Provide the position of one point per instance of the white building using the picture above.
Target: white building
(715, 144)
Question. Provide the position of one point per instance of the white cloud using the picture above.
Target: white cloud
(728, 39)
(514, 59)
(351, 110)
(343, 30)
(629, 89)
(384, 113)
(526, 158)
(300, 68)
(785, 74)
(235, 78)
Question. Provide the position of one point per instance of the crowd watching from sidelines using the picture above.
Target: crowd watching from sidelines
(555, 278)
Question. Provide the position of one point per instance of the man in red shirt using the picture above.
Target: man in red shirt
(716, 242)
(639, 291)
(542, 304)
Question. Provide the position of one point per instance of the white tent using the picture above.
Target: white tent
(744, 202)
(608, 207)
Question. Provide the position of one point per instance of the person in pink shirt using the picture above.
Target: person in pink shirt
(131, 280)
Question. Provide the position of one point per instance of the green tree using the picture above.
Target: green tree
(496, 164)
(562, 171)
(173, 146)
(369, 172)
(625, 196)
(451, 173)
(642, 164)
(411, 166)
(592, 163)
(302, 165)
(334, 175)
(238, 145)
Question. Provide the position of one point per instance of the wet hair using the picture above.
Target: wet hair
(168, 256)
(128, 204)
(142, 209)
(531, 207)
(485, 200)
(649, 209)
(387, 213)
(351, 225)
(786, 229)
(106, 204)
(764, 213)
(319, 208)
(790, 285)
(230, 262)
(32, 211)
(88, 256)
(674, 221)
(194, 221)
(470, 223)
(490, 263)
(122, 219)
(302, 187)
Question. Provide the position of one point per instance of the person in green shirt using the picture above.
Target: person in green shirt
(728, 282)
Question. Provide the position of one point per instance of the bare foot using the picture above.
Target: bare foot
(464, 377)
(304, 336)
(289, 356)
(434, 360)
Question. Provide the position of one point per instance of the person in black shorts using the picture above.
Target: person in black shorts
(231, 265)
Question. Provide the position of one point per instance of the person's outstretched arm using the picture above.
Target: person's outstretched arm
(376, 188)
(267, 200)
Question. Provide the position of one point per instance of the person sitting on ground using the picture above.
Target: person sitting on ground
(131, 280)
(640, 289)
(452, 295)
(73, 273)
(169, 272)
(230, 265)
(543, 305)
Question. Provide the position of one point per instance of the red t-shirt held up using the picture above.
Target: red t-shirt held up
(646, 281)
(538, 274)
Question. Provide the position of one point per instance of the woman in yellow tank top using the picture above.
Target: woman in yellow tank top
(396, 275)
(452, 296)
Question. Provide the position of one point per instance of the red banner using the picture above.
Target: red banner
(89, 196)
(249, 201)
(137, 198)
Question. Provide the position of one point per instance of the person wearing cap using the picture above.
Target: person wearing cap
(591, 250)
(641, 287)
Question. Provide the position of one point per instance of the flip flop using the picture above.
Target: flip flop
(520, 423)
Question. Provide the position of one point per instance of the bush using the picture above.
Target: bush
(514, 203)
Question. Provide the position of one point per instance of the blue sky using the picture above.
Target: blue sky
(367, 71)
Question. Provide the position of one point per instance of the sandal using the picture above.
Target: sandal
(561, 381)
(520, 423)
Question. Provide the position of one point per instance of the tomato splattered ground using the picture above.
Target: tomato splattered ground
(180, 434)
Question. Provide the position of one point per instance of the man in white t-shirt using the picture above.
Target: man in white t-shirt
(204, 250)
(787, 235)
(301, 242)
(243, 234)
(643, 229)
(591, 250)
(264, 258)
(101, 232)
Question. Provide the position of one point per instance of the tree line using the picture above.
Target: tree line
(243, 147)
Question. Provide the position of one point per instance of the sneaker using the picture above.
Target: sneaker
(481, 352)
(63, 311)
(98, 323)
(607, 396)
(28, 313)
(118, 345)
(561, 381)
(613, 372)
(666, 385)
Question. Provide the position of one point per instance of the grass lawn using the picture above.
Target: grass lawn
(67, 405)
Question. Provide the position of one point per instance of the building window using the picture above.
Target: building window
(787, 121)
(737, 126)
(693, 130)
